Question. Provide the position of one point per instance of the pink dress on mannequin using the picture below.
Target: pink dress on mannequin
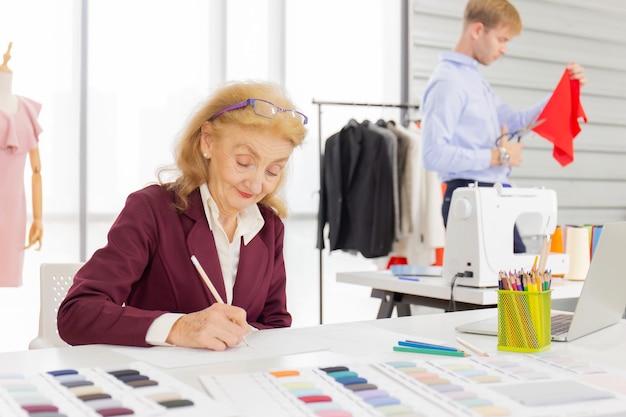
(19, 133)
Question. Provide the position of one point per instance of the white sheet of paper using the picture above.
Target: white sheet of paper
(362, 338)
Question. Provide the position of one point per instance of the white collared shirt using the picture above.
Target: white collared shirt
(249, 224)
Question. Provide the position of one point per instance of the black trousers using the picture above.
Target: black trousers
(518, 243)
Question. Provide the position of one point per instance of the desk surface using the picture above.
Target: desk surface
(342, 344)
(605, 346)
(439, 288)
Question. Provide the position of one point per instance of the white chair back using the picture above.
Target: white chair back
(55, 280)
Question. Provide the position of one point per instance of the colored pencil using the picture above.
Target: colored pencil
(429, 351)
(410, 343)
(471, 347)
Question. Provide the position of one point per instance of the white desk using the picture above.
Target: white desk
(604, 348)
(435, 292)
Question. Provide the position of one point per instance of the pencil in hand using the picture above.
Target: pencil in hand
(206, 280)
(210, 285)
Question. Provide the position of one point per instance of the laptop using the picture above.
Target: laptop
(602, 300)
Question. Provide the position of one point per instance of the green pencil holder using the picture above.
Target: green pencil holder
(524, 320)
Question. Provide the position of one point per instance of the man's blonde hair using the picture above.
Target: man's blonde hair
(492, 14)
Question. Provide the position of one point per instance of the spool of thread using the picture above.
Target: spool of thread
(577, 247)
(556, 243)
(589, 228)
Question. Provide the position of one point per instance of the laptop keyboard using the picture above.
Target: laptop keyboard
(561, 323)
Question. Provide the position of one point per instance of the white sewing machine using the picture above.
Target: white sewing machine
(479, 234)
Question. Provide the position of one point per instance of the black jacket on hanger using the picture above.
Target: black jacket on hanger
(356, 195)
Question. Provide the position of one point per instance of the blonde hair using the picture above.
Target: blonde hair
(191, 165)
(493, 13)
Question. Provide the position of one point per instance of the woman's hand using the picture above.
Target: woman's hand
(216, 327)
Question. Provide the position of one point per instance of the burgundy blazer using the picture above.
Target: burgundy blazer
(145, 270)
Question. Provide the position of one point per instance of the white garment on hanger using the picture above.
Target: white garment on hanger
(426, 231)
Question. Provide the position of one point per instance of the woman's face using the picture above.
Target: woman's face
(244, 166)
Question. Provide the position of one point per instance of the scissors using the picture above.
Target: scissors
(521, 132)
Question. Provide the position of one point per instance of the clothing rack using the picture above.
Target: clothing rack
(405, 120)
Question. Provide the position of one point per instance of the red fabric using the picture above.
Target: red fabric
(397, 260)
(561, 115)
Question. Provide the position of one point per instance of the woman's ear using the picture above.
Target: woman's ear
(206, 139)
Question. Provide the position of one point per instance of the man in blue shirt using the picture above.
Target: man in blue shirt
(465, 124)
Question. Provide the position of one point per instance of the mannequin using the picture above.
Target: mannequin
(19, 135)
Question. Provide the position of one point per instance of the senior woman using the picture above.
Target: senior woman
(143, 289)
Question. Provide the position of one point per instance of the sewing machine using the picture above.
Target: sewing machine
(479, 233)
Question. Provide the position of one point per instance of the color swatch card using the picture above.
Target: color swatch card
(135, 390)
(335, 391)
(549, 393)
(409, 385)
